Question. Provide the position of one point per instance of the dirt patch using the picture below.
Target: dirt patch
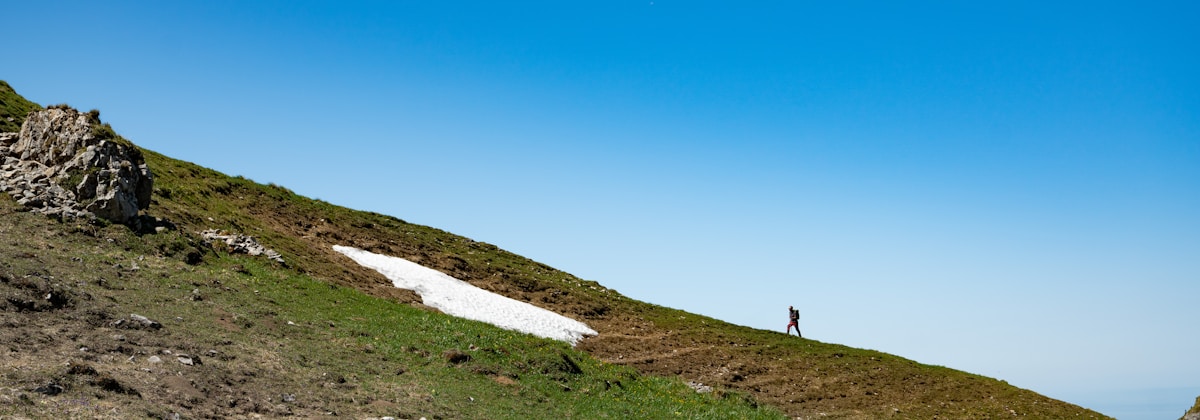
(225, 319)
(72, 350)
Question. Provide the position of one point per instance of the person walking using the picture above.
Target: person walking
(793, 321)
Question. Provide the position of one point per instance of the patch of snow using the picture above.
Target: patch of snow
(461, 299)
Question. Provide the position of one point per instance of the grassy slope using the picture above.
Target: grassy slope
(801, 377)
(1194, 411)
(272, 342)
(13, 108)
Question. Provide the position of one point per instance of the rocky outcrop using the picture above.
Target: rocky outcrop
(240, 244)
(67, 164)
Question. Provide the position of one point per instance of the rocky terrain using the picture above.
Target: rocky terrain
(67, 164)
(130, 288)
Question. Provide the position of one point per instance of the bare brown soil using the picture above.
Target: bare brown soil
(62, 332)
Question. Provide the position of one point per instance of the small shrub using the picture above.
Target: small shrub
(103, 131)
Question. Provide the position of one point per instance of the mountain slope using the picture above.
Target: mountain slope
(238, 336)
(1194, 412)
(803, 377)
(13, 108)
(798, 376)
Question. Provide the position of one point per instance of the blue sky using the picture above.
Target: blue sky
(1007, 188)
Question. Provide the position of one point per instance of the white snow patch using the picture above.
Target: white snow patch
(461, 299)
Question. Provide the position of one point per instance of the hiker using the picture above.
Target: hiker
(794, 321)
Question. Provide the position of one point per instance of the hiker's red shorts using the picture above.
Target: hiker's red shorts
(793, 324)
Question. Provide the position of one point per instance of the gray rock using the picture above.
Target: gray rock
(53, 135)
(7, 139)
(144, 322)
(190, 360)
(241, 244)
(699, 387)
(75, 167)
(33, 202)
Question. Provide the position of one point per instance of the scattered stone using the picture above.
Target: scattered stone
(154, 359)
(700, 388)
(145, 322)
(240, 244)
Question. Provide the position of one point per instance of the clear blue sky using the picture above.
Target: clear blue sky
(1008, 188)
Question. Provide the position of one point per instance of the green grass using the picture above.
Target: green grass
(340, 350)
(377, 338)
(13, 106)
(277, 330)
(340, 339)
(807, 376)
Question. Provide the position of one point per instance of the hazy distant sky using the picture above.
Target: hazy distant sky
(1008, 188)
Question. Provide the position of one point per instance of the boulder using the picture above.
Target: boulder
(53, 135)
(6, 142)
(68, 164)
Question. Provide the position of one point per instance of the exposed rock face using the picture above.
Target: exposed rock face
(65, 163)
